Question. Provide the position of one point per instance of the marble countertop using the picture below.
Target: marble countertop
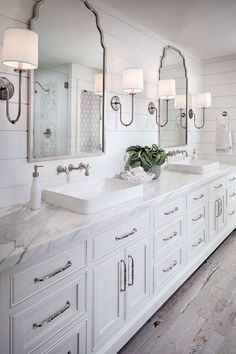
(25, 233)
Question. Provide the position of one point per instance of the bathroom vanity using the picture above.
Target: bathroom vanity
(72, 283)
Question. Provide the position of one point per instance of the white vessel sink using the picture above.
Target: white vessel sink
(193, 166)
(93, 195)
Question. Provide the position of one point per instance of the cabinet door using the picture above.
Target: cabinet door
(137, 260)
(108, 297)
(212, 215)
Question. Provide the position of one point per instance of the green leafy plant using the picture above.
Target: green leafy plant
(146, 156)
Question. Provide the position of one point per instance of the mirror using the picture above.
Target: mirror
(67, 89)
(173, 98)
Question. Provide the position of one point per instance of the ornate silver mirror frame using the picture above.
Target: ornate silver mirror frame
(164, 54)
(30, 125)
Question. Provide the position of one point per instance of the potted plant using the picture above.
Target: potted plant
(149, 157)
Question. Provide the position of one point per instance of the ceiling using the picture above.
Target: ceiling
(206, 28)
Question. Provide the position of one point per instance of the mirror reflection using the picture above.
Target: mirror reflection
(173, 88)
(68, 86)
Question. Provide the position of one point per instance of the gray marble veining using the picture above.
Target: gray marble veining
(25, 233)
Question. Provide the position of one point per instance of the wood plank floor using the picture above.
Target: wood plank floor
(200, 318)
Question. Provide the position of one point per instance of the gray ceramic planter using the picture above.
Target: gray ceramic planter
(156, 170)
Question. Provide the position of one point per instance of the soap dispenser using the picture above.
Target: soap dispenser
(194, 155)
(36, 190)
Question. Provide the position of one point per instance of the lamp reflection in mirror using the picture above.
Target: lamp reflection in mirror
(180, 103)
(98, 84)
(167, 92)
(203, 101)
(132, 84)
(20, 51)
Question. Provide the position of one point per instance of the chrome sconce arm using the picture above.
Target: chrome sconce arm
(152, 109)
(181, 116)
(7, 91)
(192, 115)
(117, 106)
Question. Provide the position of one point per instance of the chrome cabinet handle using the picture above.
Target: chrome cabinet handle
(60, 270)
(200, 197)
(175, 233)
(171, 211)
(232, 213)
(123, 284)
(232, 195)
(198, 218)
(219, 186)
(232, 179)
(127, 235)
(171, 266)
(198, 242)
(217, 208)
(132, 269)
(220, 206)
(51, 318)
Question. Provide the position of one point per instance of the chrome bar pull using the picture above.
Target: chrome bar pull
(200, 197)
(124, 282)
(51, 318)
(132, 270)
(231, 213)
(198, 242)
(217, 212)
(220, 206)
(198, 218)
(219, 186)
(60, 270)
(171, 266)
(171, 211)
(232, 195)
(232, 179)
(175, 233)
(127, 235)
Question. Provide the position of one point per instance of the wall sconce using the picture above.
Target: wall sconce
(20, 51)
(180, 103)
(98, 84)
(203, 101)
(132, 84)
(166, 93)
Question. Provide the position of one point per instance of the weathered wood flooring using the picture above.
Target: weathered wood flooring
(200, 318)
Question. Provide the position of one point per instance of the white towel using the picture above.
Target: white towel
(223, 136)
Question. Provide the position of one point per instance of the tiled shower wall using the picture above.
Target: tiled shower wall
(128, 45)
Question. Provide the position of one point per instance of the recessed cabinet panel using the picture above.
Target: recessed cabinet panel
(167, 236)
(196, 199)
(169, 212)
(196, 219)
(196, 245)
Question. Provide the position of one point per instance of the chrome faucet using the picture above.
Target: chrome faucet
(175, 152)
(81, 166)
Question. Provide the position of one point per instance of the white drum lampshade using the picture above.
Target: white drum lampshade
(133, 80)
(167, 89)
(204, 99)
(180, 101)
(98, 84)
(20, 49)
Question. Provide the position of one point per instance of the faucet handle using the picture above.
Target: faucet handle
(61, 169)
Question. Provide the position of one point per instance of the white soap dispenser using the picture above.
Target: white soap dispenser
(36, 190)
(194, 155)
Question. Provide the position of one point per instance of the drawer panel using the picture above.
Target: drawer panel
(196, 219)
(168, 267)
(231, 215)
(28, 282)
(167, 236)
(231, 196)
(169, 212)
(196, 244)
(217, 186)
(231, 179)
(47, 317)
(196, 199)
(115, 238)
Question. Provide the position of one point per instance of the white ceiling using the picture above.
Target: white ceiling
(206, 28)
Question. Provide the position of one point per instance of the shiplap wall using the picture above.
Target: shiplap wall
(127, 45)
(219, 77)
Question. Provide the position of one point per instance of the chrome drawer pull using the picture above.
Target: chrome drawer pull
(132, 268)
(172, 211)
(51, 318)
(170, 267)
(60, 270)
(198, 218)
(232, 179)
(232, 213)
(232, 195)
(219, 186)
(123, 288)
(127, 235)
(200, 197)
(175, 233)
(198, 242)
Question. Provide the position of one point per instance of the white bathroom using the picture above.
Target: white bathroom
(118, 177)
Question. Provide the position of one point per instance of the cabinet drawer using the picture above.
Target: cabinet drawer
(231, 215)
(169, 212)
(231, 196)
(196, 219)
(231, 179)
(167, 268)
(28, 282)
(167, 236)
(115, 238)
(196, 244)
(217, 186)
(196, 199)
(38, 323)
